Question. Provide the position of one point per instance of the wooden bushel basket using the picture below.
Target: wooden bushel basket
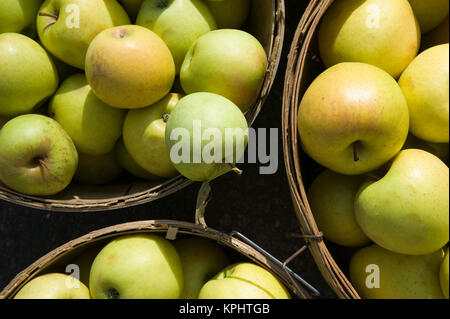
(267, 24)
(237, 245)
(303, 67)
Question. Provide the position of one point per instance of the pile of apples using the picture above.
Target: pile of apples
(378, 120)
(87, 95)
(147, 266)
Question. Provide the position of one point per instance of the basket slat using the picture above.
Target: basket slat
(301, 63)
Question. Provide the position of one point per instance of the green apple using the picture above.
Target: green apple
(440, 150)
(130, 165)
(67, 27)
(84, 262)
(407, 210)
(331, 197)
(443, 275)
(244, 281)
(132, 8)
(206, 135)
(129, 67)
(16, 15)
(438, 35)
(353, 118)
(231, 63)
(202, 259)
(53, 286)
(98, 169)
(377, 273)
(425, 84)
(142, 266)
(144, 135)
(383, 33)
(37, 157)
(27, 75)
(229, 14)
(93, 125)
(178, 22)
(429, 13)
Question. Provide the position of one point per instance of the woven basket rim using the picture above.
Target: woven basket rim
(148, 226)
(328, 267)
(165, 188)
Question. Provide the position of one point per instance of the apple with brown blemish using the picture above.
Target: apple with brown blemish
(37, 157)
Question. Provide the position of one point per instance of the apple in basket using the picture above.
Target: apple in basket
(37, 157)
(16, 15)
(67, 27)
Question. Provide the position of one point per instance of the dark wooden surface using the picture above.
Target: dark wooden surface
(256, 205)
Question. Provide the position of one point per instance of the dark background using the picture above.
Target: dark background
(256, 205)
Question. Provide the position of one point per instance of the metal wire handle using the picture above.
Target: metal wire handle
(289, 271)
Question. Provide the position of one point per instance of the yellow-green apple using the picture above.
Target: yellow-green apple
(231, 63)
(132, 8)
(144, 135)
(143, 266)
(93, 125)
(377, 273)
(438, 35)
(37, 157)
(202, 259)
(429, 13)
(16, 15)
(67, 27)
(425, 84)
(443, 275)
(332, 197)
(206, 135)
(130, 165)
(84, 262)
(178, 22)
(27, 75)
(229, 14)
(353, 118)
(369, 31)
(244, 281)
(407, 211)
(440, 150)
(129, 67)
(53, 286)
(98, 169)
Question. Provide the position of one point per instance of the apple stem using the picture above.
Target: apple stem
(43, 164)
(236, 170)
(165, 117)
(355, 152)
(45, 14)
